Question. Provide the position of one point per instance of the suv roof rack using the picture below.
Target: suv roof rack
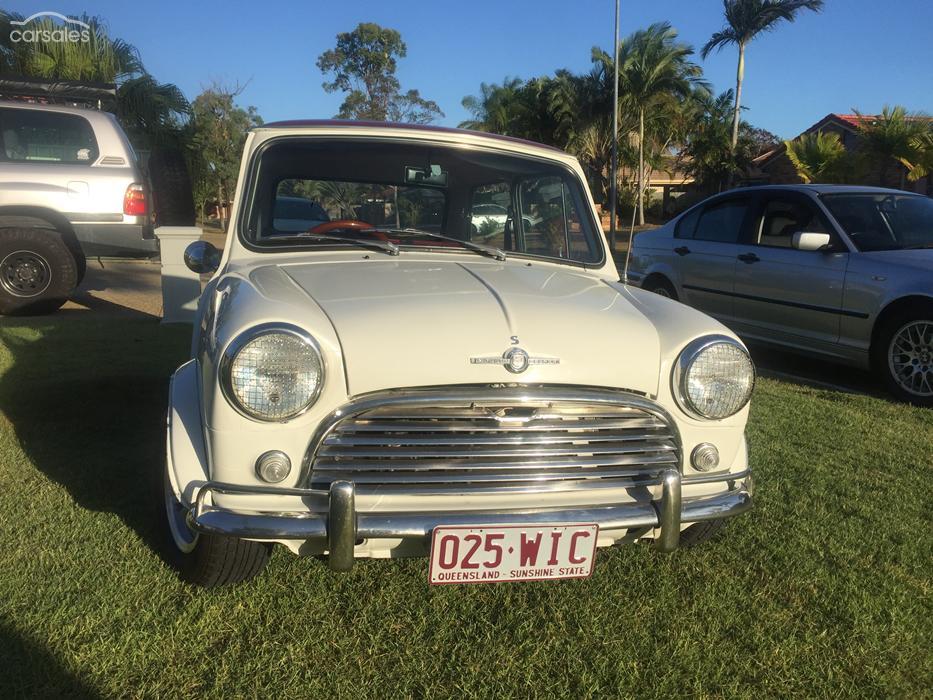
(63, 92)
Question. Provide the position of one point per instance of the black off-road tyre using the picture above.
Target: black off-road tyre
(38, 271)
(214, 560)
(700, 532)
(78, 254)
(173, 201)
(661, 287)
(919, 355)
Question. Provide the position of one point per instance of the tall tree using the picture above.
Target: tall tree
(590, 138)
(745, 20)
(592, 145)
(762, 139)
(498, 109)
(548, 109)
(100, 59)
(218, 132)
(150, 111)
(363, 65)
(653, 68)
(707, 152)
(565, 110)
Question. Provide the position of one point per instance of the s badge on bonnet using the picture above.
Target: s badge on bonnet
(515, 360)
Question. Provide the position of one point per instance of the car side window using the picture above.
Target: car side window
(46, 137)
(551, 224)
(489, 213)
(687, 225)
(722, 222)
(782, 217)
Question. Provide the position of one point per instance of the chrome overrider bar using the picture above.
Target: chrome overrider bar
(332, 515)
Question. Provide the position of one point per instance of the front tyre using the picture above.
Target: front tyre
(207, 560)
(903, 355)
(37, 271)
(700, 532)
(661, 287)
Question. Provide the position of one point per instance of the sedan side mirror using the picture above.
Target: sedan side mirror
(810, 241)
(202, 257)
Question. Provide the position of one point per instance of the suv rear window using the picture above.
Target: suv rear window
(29, 135)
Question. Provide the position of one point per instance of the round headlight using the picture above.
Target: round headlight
(272, 372)
(713, 377)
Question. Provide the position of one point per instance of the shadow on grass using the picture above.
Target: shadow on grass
(87, 401)
(31, 672)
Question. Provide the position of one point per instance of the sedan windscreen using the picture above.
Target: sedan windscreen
(879, 221)
(309, 192)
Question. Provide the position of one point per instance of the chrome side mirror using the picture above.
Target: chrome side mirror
(810, 241)
(202, 257)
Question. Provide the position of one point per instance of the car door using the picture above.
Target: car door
(782, 293)
(706, 244)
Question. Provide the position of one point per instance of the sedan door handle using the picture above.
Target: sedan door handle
(682, 250)
(749, 258)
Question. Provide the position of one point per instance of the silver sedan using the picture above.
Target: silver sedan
(840, 272)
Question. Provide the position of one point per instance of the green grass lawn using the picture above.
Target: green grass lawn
(823, 589)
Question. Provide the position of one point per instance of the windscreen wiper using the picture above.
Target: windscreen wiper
(491, 251)
(385, 246)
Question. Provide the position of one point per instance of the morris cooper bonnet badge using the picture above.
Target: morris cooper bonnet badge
(515, 360)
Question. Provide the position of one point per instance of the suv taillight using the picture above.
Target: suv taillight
(134, 201)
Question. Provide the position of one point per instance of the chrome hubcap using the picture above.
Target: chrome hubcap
(910, 358)
(177, 514)
(25, 274)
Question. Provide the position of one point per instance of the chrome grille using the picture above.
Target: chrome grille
(496, 438)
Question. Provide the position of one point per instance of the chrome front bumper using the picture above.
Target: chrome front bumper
(332, 516)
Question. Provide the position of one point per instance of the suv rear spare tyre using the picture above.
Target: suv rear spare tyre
(171, 188)
(37, 271)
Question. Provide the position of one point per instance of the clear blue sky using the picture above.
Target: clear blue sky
(857, 53)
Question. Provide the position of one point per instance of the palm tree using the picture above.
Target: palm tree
(151, 112)
(922, 164)
(653, 67)
(497, 109)
(895, 136)
(818, 157)
(100, 59)
(592, 145)
(745, 20)
(707, 152)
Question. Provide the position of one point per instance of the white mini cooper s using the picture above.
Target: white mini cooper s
(373, 374)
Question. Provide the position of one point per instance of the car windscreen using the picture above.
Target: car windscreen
(388, 190)
(883, 221)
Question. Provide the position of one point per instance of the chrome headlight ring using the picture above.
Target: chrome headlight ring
(230, 354)
(739, 393)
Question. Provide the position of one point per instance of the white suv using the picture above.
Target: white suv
(70, 186)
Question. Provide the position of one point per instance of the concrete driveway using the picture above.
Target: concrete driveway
(122, 287)
(117, 287)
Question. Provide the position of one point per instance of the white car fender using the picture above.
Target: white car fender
(186, 451)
